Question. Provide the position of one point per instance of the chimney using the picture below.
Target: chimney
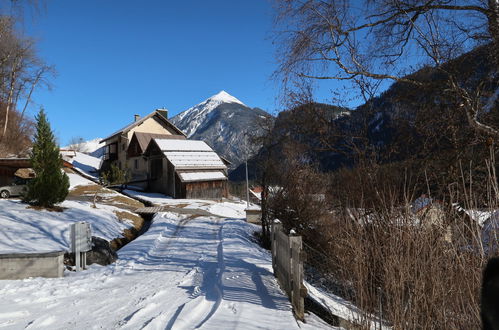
(136, 118)
(163, 112)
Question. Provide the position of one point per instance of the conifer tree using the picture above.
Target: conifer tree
(50, 186)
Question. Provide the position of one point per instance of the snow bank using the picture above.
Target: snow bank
(228, 209)
(28, 230)
(77, 180)
(340, 307)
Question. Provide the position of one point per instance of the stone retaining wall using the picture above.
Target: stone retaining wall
(15, 266)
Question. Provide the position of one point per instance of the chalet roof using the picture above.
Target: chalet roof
(190, 154)
(144, 138)
(141, 120)
(202, 176)
(183, 145)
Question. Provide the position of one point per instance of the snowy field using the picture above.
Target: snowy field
(185, 272)
(29, 230)
(25, 229)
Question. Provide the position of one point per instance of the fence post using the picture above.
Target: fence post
(287, 263)
(276, 227)
(296, 267)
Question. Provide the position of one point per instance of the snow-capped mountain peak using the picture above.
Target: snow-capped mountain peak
(198, 113)
(223, 122)
(224, 97)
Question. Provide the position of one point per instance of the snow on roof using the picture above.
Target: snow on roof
(144, 138)
(194, 159)
(202, 176)
(182, 145)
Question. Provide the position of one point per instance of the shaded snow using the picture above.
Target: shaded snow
(28, 230)
(87, 164)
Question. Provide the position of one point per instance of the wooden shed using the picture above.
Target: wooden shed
(8, 168)
(186, 169)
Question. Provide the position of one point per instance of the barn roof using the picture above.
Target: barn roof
(202, 176)
(144, 138)
(190, 154)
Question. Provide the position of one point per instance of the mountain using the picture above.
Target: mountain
(415, 127)
(224, 122)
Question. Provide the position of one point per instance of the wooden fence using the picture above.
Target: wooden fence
(287, 261)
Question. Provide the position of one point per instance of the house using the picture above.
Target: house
(116, 145)
(138, 166)
(185, 169)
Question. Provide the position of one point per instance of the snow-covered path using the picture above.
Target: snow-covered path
(186, 272)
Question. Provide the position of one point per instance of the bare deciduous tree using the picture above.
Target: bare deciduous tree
(367, 41)
(21, 72)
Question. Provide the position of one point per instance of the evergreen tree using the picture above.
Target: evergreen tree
(51, 184)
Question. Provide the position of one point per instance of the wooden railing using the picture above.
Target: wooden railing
(287, 262)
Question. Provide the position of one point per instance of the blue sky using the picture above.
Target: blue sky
(118, 58)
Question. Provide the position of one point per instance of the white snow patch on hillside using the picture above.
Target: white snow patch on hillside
(77, 180)
(87, 164)
(86, 146)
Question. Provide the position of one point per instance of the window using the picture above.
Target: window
(136, 164)
(123, 147)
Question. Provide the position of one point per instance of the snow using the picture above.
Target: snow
(194, 159)
(202, 176)
(153, 198)
(185, 272)
(224, 97)
(77, 180)
(479, 216)
(87, 146)
(182, 145)
(229, 209)
(189, 153)
(341, 307)
(25, 229)
(87, 164)
(198, 113)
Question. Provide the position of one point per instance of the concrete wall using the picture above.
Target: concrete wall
(15, 266)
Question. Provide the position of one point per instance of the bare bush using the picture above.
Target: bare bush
(418, 270)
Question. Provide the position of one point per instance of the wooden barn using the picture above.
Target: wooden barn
(186, 169)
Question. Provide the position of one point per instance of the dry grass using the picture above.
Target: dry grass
(377, 254)
(107, 196)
